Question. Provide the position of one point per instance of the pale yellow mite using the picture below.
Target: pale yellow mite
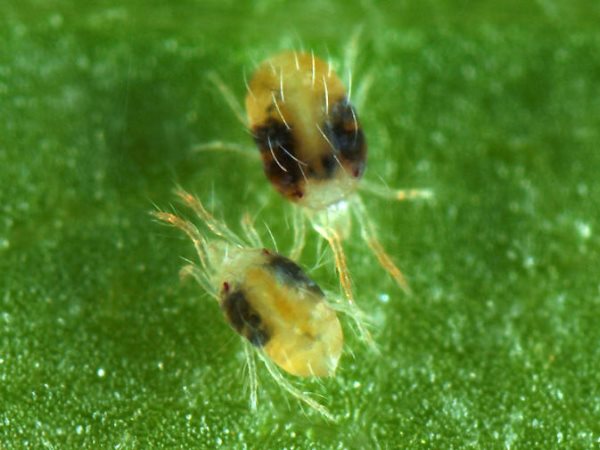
(266, 298)
(270, 301)
(314, 152)
(312, 146)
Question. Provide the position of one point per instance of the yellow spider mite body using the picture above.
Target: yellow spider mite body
(270, 301)
(314, 151)
(266, 298)
(312, 146)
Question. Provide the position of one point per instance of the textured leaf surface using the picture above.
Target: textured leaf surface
(495, 108)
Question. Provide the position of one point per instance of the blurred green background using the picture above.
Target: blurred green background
(494, 105)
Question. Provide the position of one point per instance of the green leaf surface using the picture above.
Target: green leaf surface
(495, 106)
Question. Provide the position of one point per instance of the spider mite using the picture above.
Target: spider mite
(314, 152)
(266, 298)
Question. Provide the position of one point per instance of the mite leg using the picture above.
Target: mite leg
(395, 194)
(221, 146)
(335, 243)
(200, 276)
(292, 390)
(299, 224)
(229, 97)
(219, 228)
(362, 91)
(351, 49)
(369, 234)
(189, 229)
(360, 319)
(358, 96)
(251, 364)
(250, 231)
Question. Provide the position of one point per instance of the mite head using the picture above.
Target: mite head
(311, 142)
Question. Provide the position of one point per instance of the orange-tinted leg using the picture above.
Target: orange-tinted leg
(369, 234)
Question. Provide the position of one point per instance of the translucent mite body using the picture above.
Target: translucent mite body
(314, 151)
(266, 298)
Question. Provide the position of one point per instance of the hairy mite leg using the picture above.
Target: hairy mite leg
(395, 194)
(351, 53)
(189, 229)
(250, 231)
(240, 114)
(335, 243)
(362, 92)
(221, 146)
(369, 234)
(229, 97)
(299, 224)
(217, 227)
(361, 322)
(199, 276)
(292, 390)
(359, 96)
(251, 364)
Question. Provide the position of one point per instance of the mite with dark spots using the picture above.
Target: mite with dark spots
(266, 298)
(307, 131)
(314, 152)
(269, 299)
(344, 133)
(291, 274)
(243, 318)
(277, 148)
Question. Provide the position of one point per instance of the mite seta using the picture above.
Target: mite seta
(314, 152)
(283, 316)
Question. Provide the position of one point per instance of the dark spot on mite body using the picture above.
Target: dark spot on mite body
(288, 272)
(244, 319)
(345, 134)
(329, 165)
(278, 150)
(274, 132)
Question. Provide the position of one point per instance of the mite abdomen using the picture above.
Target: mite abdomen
(276, 306)
(307, 131)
